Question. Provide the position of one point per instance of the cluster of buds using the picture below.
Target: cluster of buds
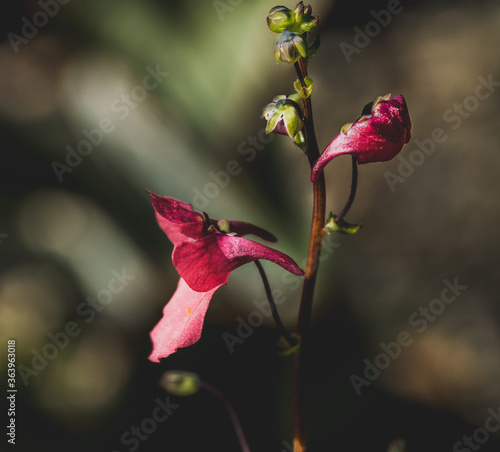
(292, 26)
(284, 113)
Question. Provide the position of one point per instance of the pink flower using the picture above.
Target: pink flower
(205, 252)
(378, 136)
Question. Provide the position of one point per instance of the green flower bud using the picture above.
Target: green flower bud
(300, 20)
(280, 18)
(300, 10)
(304, 20)
(180, 382)
(283, 115)
(289, 47)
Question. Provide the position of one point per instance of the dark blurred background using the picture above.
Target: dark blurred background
(74, 76)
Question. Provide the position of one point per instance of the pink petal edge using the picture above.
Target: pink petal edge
(182, 321)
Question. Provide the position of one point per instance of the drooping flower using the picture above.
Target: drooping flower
(377, 136)
(205, 252)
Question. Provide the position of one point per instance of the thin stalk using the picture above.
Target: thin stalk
(274, 311)
(352, 194)
(312, 263)
(232, 414)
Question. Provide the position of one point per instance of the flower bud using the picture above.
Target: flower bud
(180, 382)
(304, 20)
(289, 47)
(300, 20)
(377, 136)
(280, 18)
(283, 115)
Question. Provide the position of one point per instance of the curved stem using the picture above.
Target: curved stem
(312, 263)
(352, 194)
(232, 414)
(274, 311)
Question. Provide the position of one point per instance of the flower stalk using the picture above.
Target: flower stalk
(274, 310)
(352, 194)
(232, 414)
(311, 269)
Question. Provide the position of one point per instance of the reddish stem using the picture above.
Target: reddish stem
(352, 193)
(232, 414)
(312, 263)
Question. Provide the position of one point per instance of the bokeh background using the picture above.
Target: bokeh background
(64, 239)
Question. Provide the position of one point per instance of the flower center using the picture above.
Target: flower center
(222, 226)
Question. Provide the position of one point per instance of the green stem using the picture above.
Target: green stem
(279, 324)
(312, 263)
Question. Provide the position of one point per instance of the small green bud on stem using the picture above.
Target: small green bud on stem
(180, 382)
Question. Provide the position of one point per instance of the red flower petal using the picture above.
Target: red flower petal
(176, 218)
(172, 230)
(395, 111)
(180, 222)
(182, 321)
(207, 263)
